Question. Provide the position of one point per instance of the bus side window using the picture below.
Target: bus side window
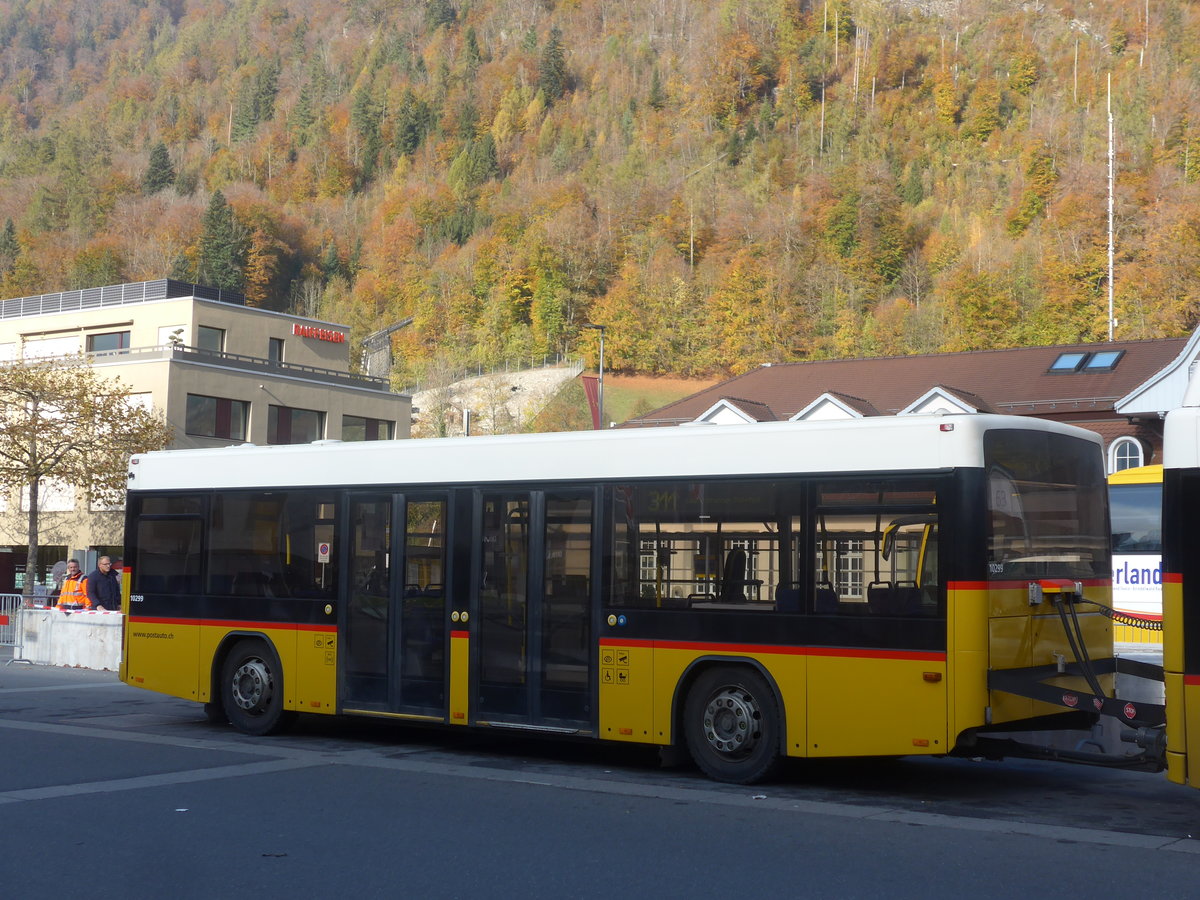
(876, 549)
(168, 559)
(713, 546)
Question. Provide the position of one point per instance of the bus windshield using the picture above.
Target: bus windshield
(1046, 504)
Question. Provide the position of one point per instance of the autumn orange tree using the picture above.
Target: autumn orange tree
(61, 421)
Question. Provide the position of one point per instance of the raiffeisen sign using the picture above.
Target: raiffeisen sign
(321, 334)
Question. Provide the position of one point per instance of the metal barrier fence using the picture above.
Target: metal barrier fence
(9, 604)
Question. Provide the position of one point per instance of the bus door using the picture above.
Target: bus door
(530, 621)
(395, 645)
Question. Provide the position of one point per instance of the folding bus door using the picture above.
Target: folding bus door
(530, 622)
(394, 652)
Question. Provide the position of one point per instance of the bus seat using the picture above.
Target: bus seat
(881, 598)
(733, 579)
(826, 600)
(787, 599)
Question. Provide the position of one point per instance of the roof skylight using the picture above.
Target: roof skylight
(1083, 361)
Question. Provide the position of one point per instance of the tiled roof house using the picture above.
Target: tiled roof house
(1119, 389)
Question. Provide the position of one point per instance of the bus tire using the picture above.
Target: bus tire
(252, 690)
(732, 726)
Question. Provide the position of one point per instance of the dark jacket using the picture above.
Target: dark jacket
(104, 589)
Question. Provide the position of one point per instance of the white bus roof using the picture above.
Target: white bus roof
(879, 444)
(1181, 438)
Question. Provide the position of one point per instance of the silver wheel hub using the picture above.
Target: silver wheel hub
(252, 685)
(732, 721)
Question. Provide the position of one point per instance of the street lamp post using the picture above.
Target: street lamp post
(600, 383)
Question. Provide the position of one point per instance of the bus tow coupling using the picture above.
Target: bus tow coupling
(1058, 589)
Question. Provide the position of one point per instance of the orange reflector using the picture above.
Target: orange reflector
(932, 676)
(139, 680)
(625, 730)
(920, 742)
(315, 704)
(459, 715)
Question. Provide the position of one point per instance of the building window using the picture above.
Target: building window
(1125, 453)
(294, 426)
(217, 417)
(275, 350)
(1076, 361)
(111, 340)
(1103, 361)
(54, 495)
(208, 338)
(356, 428)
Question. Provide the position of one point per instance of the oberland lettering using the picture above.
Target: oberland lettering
(321, 334)
(1125, 574)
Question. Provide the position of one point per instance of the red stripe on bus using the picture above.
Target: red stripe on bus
(1172, 578)
(234, 623)
(460, 634)
(1192, 680)
(847, 652)
(1020, 585)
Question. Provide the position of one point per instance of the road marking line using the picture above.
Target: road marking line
(65, 687)
(58, 791)
(250, 748)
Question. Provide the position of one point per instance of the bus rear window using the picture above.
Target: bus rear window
(1136, 517)
(1047, 506)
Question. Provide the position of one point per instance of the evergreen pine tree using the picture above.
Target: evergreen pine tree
(222, 247)
(10, 249)
(552, 67)
(658, 97)
(413, 119)
(471, 52)
(331, 263)
(245, 112)
(181, 268)
(439, 12)
(160, 173)
(266, 86)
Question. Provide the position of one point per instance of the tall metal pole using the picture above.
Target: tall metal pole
(1111, 156)
(600, 392)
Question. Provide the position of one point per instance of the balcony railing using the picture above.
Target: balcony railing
(236, 361)
(113, 295)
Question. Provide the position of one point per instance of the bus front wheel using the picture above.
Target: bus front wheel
(731, 724)
(252, 690)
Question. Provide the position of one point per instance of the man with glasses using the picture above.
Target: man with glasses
(103, 586)
(73, 594)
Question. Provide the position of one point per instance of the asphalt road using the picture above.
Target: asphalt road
(110, 791)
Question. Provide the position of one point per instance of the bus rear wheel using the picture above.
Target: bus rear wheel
(252, 690)
(731, 724)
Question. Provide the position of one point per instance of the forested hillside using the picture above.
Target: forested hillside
(719, 183)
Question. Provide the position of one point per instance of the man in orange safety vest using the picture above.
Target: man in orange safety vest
(73, 594)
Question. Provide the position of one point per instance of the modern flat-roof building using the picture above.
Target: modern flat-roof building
(220, 371)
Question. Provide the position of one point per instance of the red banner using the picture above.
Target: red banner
(591, 387)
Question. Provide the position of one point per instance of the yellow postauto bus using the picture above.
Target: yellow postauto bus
(1181, 590)
(890, 586)
(1135, 501)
